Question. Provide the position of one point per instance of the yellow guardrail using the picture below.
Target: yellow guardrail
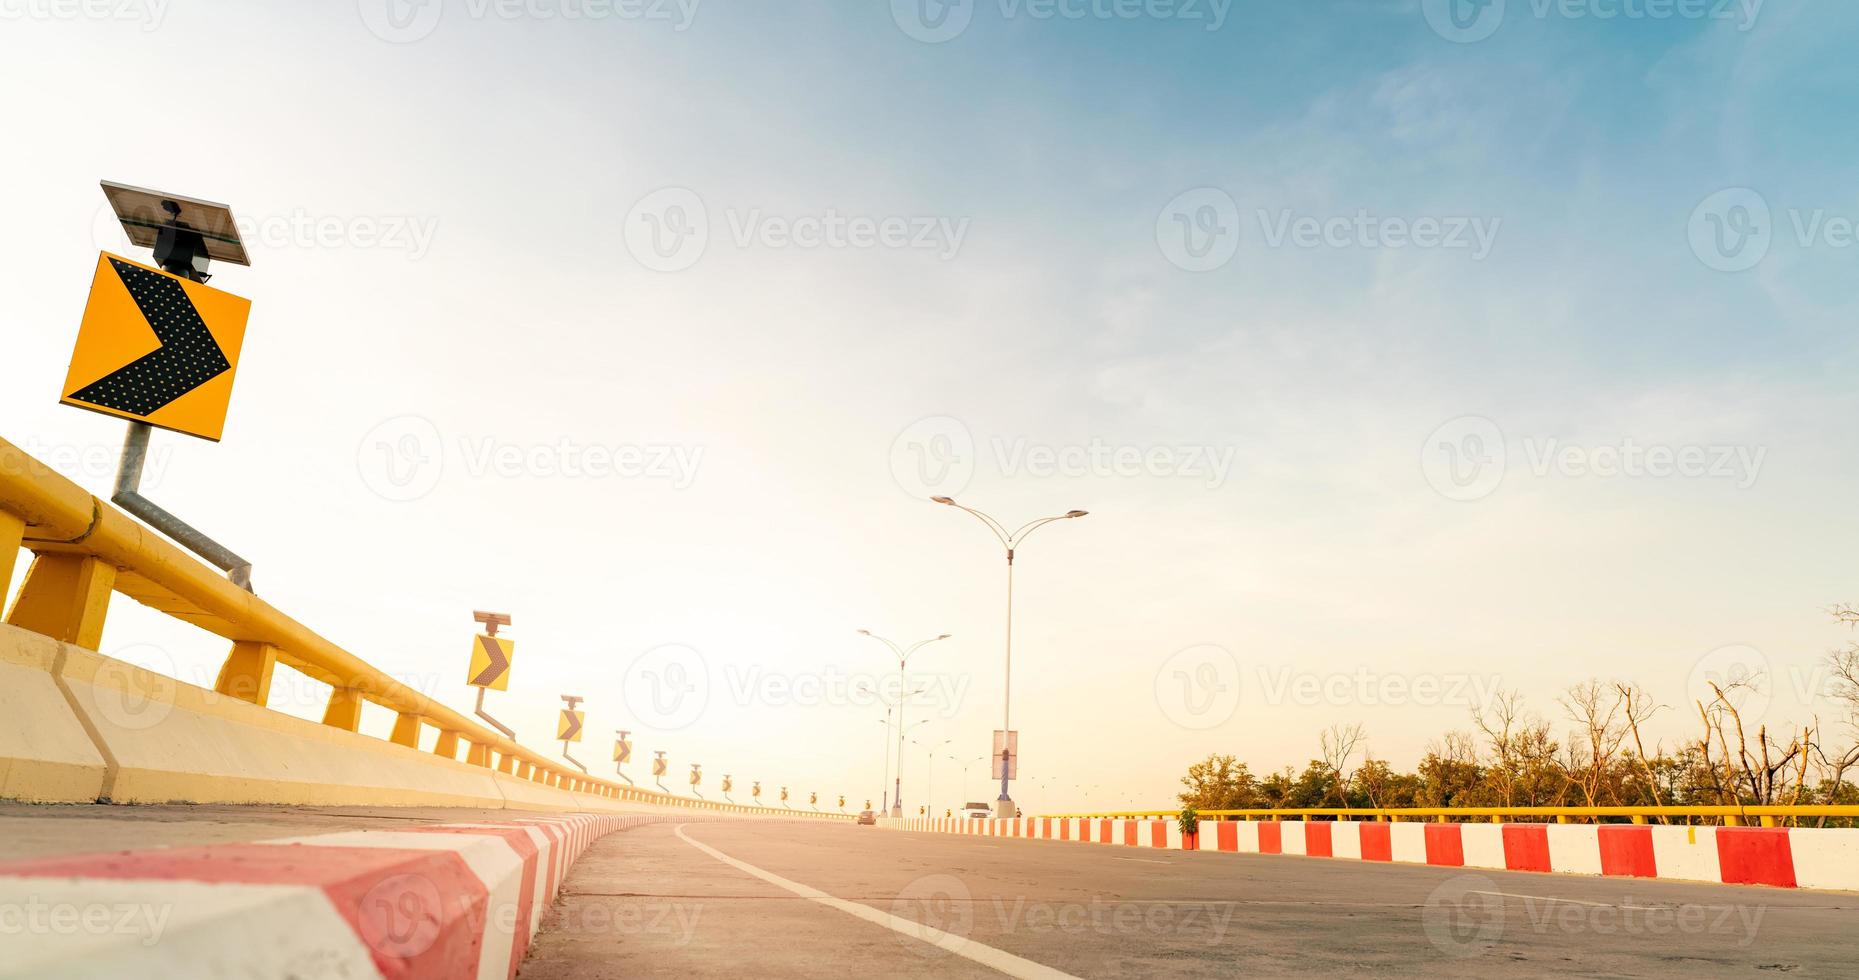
(84, 550)
(1729, 816)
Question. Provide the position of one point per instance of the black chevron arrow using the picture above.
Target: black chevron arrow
(188, 357)
(498, 662)
(574, 726)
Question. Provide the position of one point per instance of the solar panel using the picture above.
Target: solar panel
(144, 213)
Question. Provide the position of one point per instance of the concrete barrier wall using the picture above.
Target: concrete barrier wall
(1783, 857)
(46, 756)
(81, 727)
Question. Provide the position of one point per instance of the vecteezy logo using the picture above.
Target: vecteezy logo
(1199, 229)
(1464, 459)
(933, 21)
(135, 687)
(1730, 231)
(1463, 21)
(1741, 673)
(401, 459)
(933, 456)
(668, 230)
(942, 910)
(400, 917)
(1198, 688)
(1464, 915)
(667, 687)
(401, 21)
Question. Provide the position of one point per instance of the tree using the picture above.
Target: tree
(1339, 745)
(1218, 782)
(1450, 774)
(1593, 746)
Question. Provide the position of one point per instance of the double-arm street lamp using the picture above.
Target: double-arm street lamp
(1003, 807)
(903, 659)
(890, 709)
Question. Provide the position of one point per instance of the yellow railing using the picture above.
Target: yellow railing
(84, 550)
(1729, 816)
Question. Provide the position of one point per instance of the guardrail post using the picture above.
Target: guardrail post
(12, 538)
(344, 709)
(1768, 821)
(1732, 820)
(507, 764)
(66, 598)
(1638, 818)
(246, 674)
(447, 746)
(480, 755)
(406, 730)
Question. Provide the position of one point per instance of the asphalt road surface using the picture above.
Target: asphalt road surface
(764, 899)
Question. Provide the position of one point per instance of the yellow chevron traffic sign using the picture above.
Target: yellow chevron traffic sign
(156, 348)
(569, 728)
(658, 766)
(490, 662)
(622, 751)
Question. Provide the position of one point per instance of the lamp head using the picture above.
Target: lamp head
(944, 500)
(1076, 513)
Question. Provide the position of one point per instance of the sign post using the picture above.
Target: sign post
(569, 728)
(490, 663)
(622, 754)
(1006, 762)
(159, 348)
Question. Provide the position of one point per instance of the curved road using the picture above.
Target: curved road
(737, 899)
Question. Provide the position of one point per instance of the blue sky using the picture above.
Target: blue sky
(523, 151)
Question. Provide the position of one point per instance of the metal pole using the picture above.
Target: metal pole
(903, 684)
(1003, 804)
(128, 496)
(494, 722)
(884, 792)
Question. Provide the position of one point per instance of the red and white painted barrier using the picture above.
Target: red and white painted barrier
(1790, 857)
(442, 901)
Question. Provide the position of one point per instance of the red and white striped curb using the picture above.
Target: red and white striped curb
(440, 901)
(1785, 857)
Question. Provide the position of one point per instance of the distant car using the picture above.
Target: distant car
(868, 817)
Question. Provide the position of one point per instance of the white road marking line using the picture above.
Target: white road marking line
(1570, 901)
(962, 946)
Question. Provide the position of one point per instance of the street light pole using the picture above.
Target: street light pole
(903, 657)
(1003, 807)
(884, 788)
(929, 764)
(889, 707)
(965, 765)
